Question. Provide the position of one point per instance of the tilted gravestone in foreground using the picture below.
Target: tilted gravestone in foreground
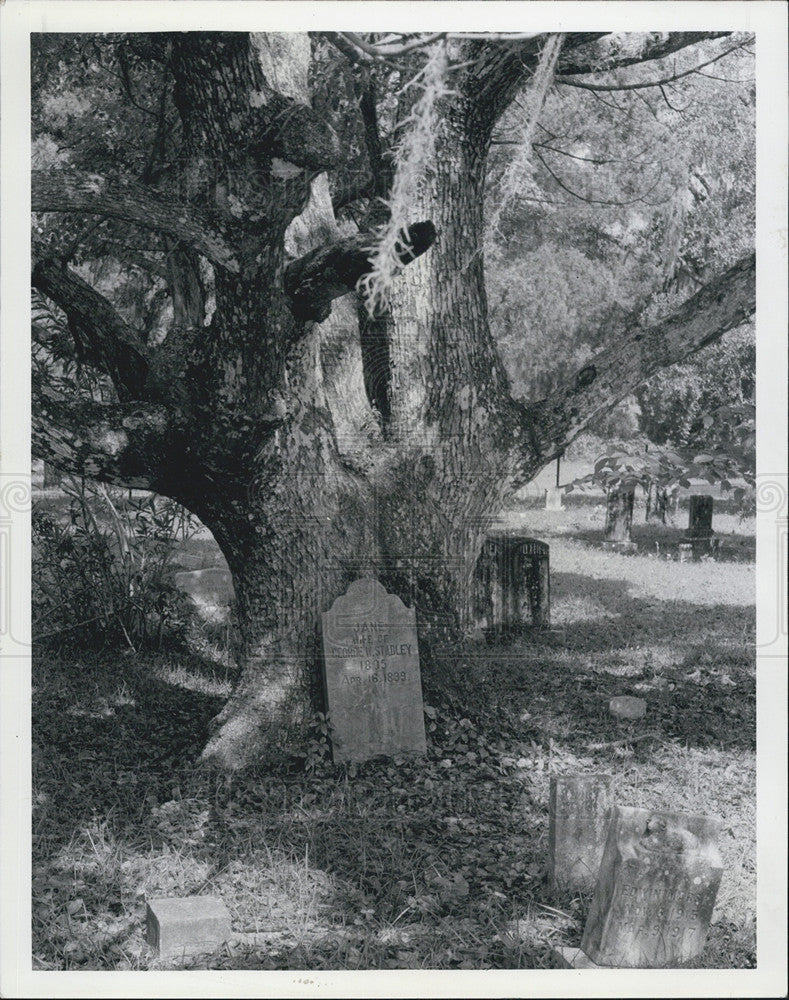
(579, 810)
(371, 674)
(655, 891)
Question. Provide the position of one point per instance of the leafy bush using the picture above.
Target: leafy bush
(100, 573)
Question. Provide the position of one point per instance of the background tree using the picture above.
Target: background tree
(186, 233)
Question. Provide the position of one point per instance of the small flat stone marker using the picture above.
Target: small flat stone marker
(371, 674)
(186, 926)
(625, 706)
(657, 885)
(579, 810)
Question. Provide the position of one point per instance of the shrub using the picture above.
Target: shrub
(101, 572)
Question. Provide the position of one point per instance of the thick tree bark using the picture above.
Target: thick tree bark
(316, 448)
(69, 191)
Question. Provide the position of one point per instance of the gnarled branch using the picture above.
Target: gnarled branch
(119, 443)
(614, 51)
(101, 336)
(644, 84)
(69, 191)
(632, 357)
(313, 281)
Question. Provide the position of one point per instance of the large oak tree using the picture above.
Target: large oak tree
(315, 440)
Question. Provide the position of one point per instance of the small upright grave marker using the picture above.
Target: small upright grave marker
(511, 584)
(579, 810)
(658, 880)
(554, 496)
(699, 531)
(371, 674)
(619, 519)
(700, 516)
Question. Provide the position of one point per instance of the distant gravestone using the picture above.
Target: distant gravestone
(656, 889)
(511, 587)
(699, 531)
(619, 519)
(700, 517)
(371, 675)
(554, 496)
(579, 810)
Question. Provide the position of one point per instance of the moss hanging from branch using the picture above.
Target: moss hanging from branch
(415, 161)
(518, 178)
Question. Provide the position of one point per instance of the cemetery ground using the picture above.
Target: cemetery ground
(437, 863)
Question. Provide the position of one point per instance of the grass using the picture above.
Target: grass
(438, 863)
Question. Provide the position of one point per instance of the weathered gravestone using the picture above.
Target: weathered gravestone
(657, 503)
(699, 531)
(511, 586)
(579, 810)
(700, 517)
(655, 891)
(619, 519)
(371, 674)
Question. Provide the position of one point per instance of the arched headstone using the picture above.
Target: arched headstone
(371, 674)
(511, 588)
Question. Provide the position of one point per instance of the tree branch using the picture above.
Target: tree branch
(101, 336)
(649, 83)
(613, 51)
(313, 281)
(119, 443)
(632, 357)
(499, 68)
(66, 191)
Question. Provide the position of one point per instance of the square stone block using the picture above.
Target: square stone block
(186, 926)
